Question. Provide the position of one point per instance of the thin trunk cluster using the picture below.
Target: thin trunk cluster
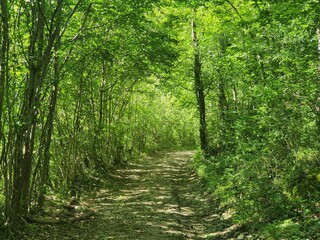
(40, 51)
(74, 96)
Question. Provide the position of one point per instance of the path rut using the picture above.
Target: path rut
(157, 198)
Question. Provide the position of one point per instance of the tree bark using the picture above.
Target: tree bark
(317, 94)
(4, 32)
(199, 90)
(4, 70)
(223, 105)
(39, 56)
(318, 33)
(4, 76)
(48, 127)
(24, 143)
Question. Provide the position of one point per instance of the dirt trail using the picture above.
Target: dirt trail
(158, 198)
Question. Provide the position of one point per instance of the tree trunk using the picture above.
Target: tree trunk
(318, 33)
(223, 105)
(317, 96)
(102, 95)
(199, 90)
(39, 56)
(4, 72)
(48, 127)
(4, 32)
(24, 143)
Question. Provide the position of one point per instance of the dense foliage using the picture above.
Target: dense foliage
(260, 66)
(80, 93)
(86, 85)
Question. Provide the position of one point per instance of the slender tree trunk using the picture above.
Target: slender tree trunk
(39, 56)
(48, 128)
(4, 32)
(4, 75)
(4, 70)
(24, 142)
(102, 95)
(46, 141)
(317, 95)
(223, 105)
(199, 90)
(318, 35)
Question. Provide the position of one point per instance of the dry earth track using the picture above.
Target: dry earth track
(152, 199)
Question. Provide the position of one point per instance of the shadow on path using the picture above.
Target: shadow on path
(155, 198)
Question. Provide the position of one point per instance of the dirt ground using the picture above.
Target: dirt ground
(155, 198)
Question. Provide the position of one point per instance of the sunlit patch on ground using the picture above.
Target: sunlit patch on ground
(154, 199)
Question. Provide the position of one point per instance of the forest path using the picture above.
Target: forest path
(155, 198)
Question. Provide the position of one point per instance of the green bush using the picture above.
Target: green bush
(260, 190)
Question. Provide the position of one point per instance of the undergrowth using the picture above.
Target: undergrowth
(274, 199)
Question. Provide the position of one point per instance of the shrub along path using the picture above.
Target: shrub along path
(157, 198)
